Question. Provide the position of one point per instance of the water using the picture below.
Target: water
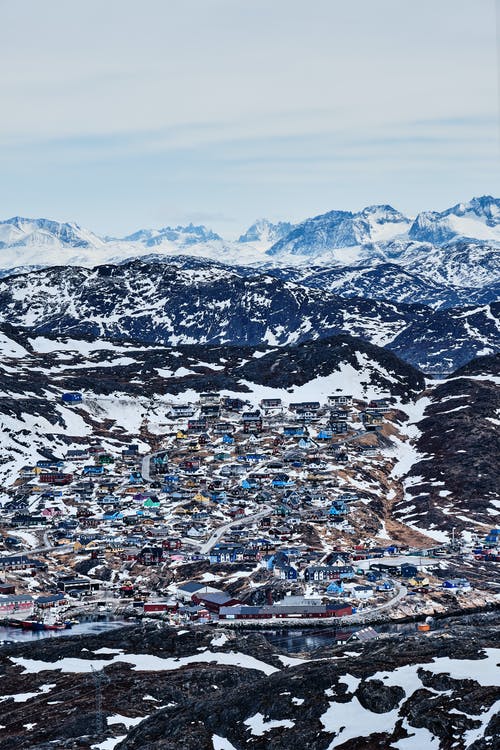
(295, 640)
(83, 628)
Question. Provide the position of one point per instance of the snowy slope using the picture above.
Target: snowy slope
(197, 301)
(479, 219)
(342, 229)
(127, 387)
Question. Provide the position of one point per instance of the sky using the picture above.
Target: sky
(123, 114)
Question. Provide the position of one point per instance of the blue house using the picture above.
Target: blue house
(224, 554)
(293, 431)
(170, 478)
(287, 572)
(456, 583)
(228, 440)
(338, 508)
(283, 483)
(71, 398)
(46, 464)
(93, 470)
(246, 485)
(335, 588)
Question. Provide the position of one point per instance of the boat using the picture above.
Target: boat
(32, 625)
(13, 623)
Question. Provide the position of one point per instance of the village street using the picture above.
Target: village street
(221, 530)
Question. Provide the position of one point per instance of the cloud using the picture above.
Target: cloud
(121, 112)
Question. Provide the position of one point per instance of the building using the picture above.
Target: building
(13, 603)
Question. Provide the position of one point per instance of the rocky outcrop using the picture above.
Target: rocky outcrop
(394, 686)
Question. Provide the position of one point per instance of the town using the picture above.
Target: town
(239, 512)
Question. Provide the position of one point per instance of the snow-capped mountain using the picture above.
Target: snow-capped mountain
(184, 236)
(479, 219)
(263, 233)
(45, 234)
(342, 229)
(376, 252)
(205, 302)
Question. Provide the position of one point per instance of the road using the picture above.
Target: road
(221, 530)
(146, 465)
(372, 614)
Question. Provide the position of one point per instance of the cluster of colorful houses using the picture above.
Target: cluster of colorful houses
(221, 462)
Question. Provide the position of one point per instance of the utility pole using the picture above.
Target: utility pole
(100, 678)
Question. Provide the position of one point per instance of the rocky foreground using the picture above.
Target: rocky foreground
(164, 689)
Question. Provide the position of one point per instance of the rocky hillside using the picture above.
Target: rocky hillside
(127, 385)
(213, 690)
(196, 301)
(455, 474)
(390, 282)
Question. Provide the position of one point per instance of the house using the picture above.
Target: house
(362, 592)
(210, 397)
(252, 421)
(408, 571)
(11, 603)
(461, 584)
(180, 410)
(337, 427)
(339, 400)
(325, 435)
(77, 454)
(150, 555)
(21, 562)
(364, 635)
(338, 509)
(47, 464)
(305, 406)
(213, 602)
(92, 470)
(50, 601)
(270, 404)
(186, 590)
(28, 519)
(293, 430)
(197, 425)
(380, 405)
(282, 610)
(57, 478)
(210, 411)
(224, 553)
(328, 572)
(223, 428)
(71, 398)
(233, 404)
(287, 573)
(77, 585)
(336, 588)
(339, 415)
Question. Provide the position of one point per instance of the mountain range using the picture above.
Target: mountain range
(196, 301)
(374, 225)
(440, 259)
